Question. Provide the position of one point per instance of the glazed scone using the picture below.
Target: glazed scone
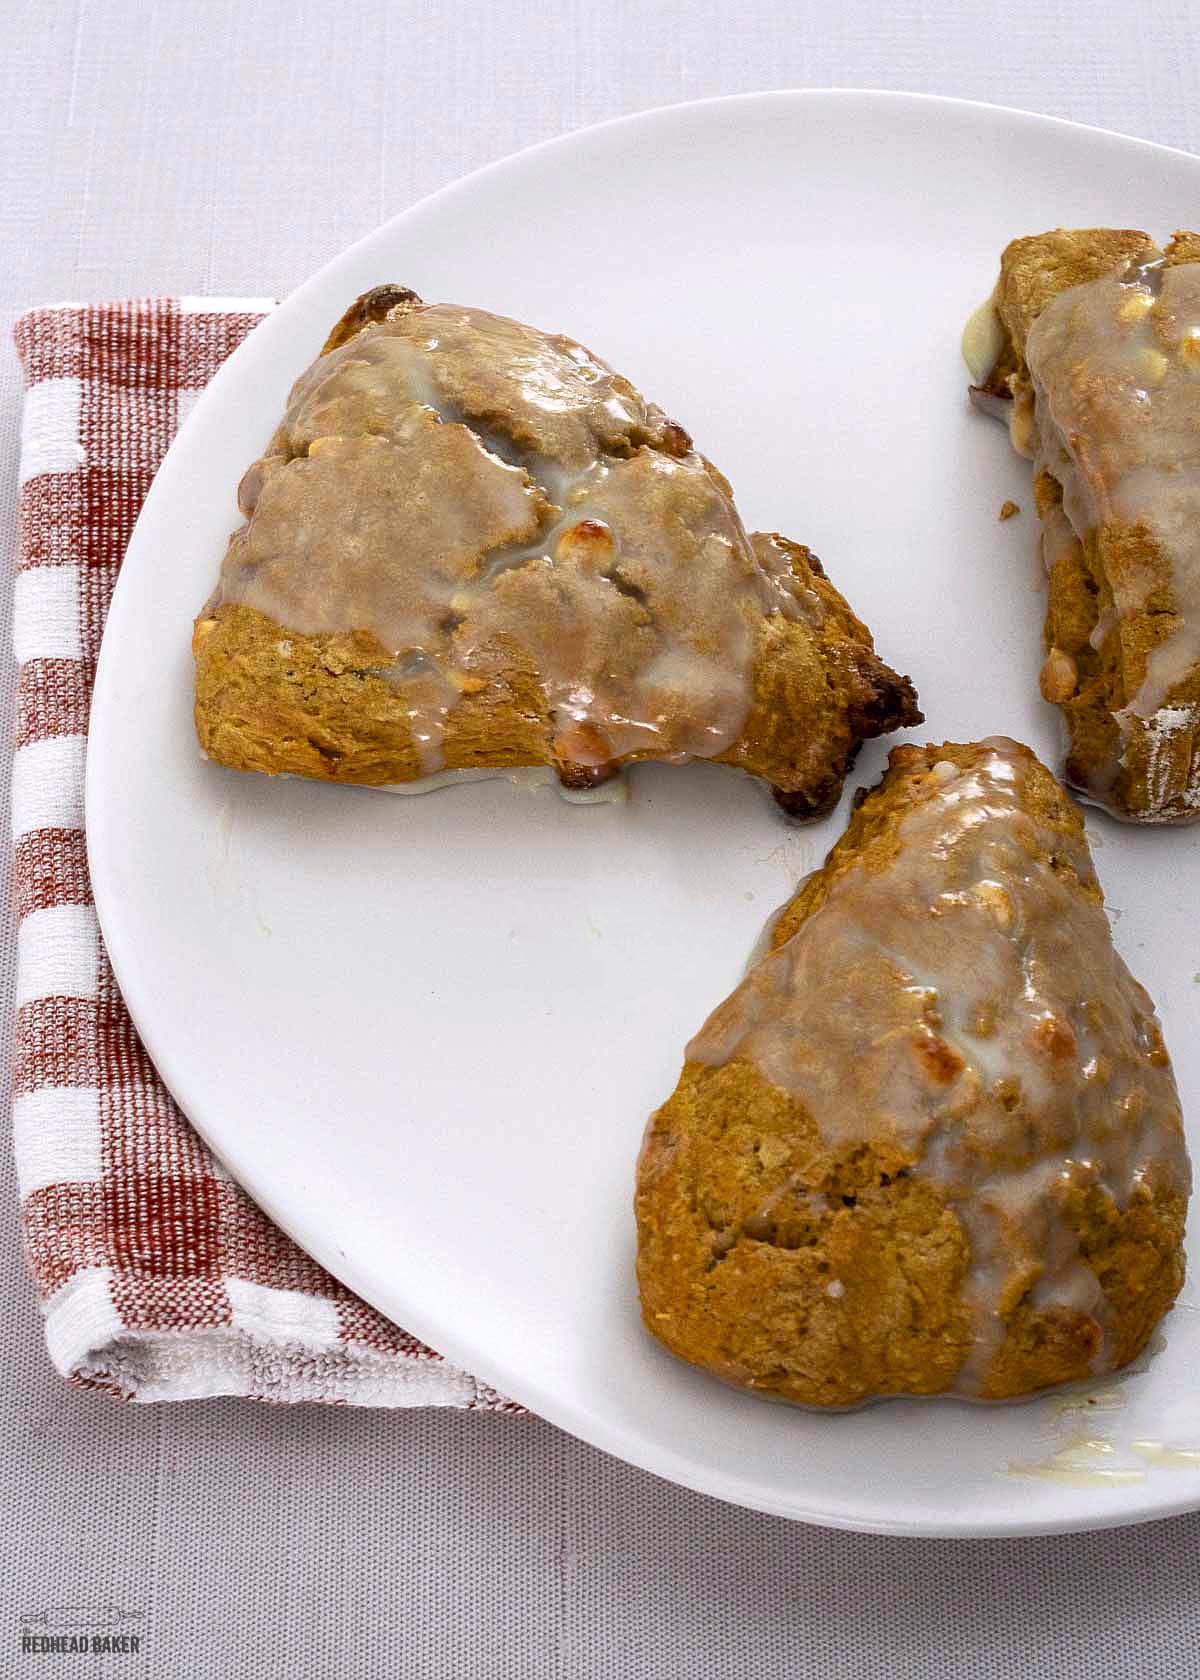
(471, 545)
(1091, 348)
(932, 1143)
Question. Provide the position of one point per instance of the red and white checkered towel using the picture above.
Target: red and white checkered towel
(159, 1278)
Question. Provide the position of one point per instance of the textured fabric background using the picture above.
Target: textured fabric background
(216, 147)
(160, 1279)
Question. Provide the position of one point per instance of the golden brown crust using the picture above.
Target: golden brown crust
(828, 1275)
(1035, 269)
(751, 1303)
(1182, 247)
(365, 311)
(269, 698)
(1156, 777)
(317, 706)
(273, 701)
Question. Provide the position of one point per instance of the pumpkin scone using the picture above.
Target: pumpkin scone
(472, 546)
(932, 1143)
(1090, 348)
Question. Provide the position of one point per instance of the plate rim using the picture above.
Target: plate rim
(578, 1420)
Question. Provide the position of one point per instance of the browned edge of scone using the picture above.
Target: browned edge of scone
(318, 706)
(1087, 674)
(747, 1297)
(270, 700)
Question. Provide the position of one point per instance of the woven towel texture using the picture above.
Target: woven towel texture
(159, 1278)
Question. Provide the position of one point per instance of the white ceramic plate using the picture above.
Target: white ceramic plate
(426, 1033)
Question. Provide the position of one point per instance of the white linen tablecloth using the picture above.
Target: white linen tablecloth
(231, 148)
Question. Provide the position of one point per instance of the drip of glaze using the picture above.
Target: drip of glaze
(1082, 1462)
(1115, 371)
(969, 998)
(492, 504)
(615, 791)
(1162, 1452)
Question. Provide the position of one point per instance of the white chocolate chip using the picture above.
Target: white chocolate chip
(1189, 347)
(1022, 428)
(1136, 306)
(1059, 677)
(1152, 365)
(590, 539)
(772, 1152)
(995, 901)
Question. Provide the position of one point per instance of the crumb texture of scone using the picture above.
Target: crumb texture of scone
(932, 1143)
(472, 545)
(1097, 368)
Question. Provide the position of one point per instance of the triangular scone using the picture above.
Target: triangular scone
(932, 1143)
(1094, 358)
(471, 545)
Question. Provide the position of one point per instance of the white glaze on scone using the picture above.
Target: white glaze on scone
(1114, 417)
(994, 1034)
(508, 490)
